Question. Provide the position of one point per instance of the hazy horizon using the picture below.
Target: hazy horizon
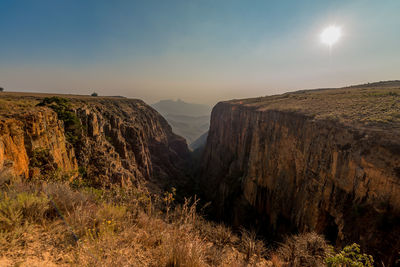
(197, 51)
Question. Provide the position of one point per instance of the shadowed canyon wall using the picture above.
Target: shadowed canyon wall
(282, 171)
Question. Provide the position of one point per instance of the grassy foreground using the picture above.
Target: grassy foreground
(54, 224)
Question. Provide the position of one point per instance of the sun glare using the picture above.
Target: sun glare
(331, 35)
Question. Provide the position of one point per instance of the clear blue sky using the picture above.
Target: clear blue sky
(201, 51)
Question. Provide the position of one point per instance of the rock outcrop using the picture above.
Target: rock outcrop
(24, 133)
(115, 140)
(126, 140)
(309, 161)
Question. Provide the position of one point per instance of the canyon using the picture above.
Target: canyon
(323, 160)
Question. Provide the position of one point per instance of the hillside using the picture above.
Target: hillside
(187, 119)
(315, 160)
(180, 107)
(199, 142)
(106, 140)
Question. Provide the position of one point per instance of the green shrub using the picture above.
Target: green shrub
(40, 157)
(63, 108)
(350, 256)
(82, 171)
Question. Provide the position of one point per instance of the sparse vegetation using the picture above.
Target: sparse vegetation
(130, 226)
(42, 166)
(82, 171)
(308, 249)
(94, 94)
(376, 104)
(88, 226)
(251, 245)
(63, 108)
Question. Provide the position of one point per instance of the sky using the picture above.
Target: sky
(200, 51)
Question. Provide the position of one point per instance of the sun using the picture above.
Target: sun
(331, 35)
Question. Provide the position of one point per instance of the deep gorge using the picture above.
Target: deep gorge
(273, 169)
(282, 172)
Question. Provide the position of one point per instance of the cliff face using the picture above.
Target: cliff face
(115, 140)
(126, 141)
(281, 169)
(24, 133)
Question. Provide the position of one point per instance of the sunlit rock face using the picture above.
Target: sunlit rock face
(121, 141)
(26, 132)
(280, 170)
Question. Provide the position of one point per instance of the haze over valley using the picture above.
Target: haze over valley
(187, 119)
(200, 133)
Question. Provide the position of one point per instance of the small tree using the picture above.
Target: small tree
(1, 89)
(94, 94)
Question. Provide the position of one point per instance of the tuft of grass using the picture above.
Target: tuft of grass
(251, 246)
(308, 249)
(10, 214)
(188, 253)
(21, 208)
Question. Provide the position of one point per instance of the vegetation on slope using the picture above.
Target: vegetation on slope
(63, 108)
(53, 223)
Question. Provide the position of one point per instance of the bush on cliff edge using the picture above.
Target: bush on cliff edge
(63, 108)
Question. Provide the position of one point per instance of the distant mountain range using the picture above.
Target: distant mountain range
(187, 119)
(180, 107)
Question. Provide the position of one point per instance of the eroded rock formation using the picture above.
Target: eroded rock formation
(117, 141)
(23, 133)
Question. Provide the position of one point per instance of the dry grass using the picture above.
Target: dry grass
(308, 249)
(55, 225)
(44, 224)
(366, 105)
(251, 246)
